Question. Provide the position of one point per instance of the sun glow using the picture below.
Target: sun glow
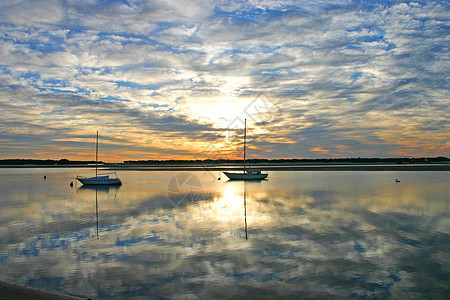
(229, 205)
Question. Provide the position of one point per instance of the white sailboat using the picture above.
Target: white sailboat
(247, 174)
(98, 180)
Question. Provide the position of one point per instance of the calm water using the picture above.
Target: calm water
(189, 235)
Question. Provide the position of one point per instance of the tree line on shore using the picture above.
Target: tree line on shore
(296, 161)
(66, 162)
(45, 162)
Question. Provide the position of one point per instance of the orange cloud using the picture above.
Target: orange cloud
(320, 150)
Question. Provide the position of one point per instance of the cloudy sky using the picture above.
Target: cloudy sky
(175, 79)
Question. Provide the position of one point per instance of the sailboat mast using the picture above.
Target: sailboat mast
(245, 138)
(96, 156)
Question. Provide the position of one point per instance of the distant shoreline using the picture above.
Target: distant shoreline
(438, 163)
(271, 167)
(10, 291)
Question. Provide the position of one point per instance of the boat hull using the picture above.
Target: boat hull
(99, 180)
(245, 176)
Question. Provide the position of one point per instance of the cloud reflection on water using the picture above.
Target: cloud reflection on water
(310, 234)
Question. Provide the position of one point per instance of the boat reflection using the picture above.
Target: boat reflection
(101, 188)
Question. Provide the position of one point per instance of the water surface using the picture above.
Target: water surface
(186, 234)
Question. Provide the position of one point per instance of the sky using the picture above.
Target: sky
(176, 79)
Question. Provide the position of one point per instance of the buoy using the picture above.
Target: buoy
(71, 184)
(45, 177)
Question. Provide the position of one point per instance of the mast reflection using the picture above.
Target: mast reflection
(96, 209)
(245, 210)
(102, 189)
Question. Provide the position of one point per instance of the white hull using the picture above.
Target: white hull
(245, 176)
(99, 180)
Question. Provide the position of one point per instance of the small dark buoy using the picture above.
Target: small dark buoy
(45, 177)
(71, 184)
